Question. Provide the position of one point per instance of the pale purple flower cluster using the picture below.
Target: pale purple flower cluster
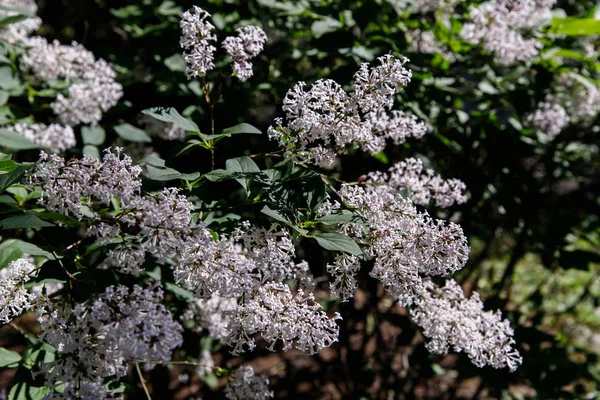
(99, 338)
(54, 137)
(87, 100)
(19, 31)
(211, 314)
(280, 316)
(196, 40)
(14, 298)
(244, 47)
(325, 120)
(248, 386)
(422, 185)
(499, 27)
(343, 271)
(450, 320)
(549, 117)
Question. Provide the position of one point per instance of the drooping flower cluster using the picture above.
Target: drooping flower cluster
(17, 32)
(325, 119)
(54, 137)
(343, 271)
(499, 27)
(244, 47)
(93, 89)
(449, 320)
(248, 386)
(97, 339)
(14, 298)
(405, 243)
(197, 41)
(212, 315)
(422, 185)
(549, 118)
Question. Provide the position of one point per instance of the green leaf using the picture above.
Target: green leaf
(168, 174)
(13, 140)
(382, 158)
(153, 160)
(26, 248)
(180, 292)
(175, 63)
(24, 221)
(241, 128)
(337, 242)
(24, 391)
(169, 114)
(242, 164)
(132, 134)
(9, 358)
(325, 25)
(93, 135)
(573, 26)
(13, 176)
(12, 19)
(91, 151)
(8, 255)
(275, 215)
(339, 218)
(8, 78)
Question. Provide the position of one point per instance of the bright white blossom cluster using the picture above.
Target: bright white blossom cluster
(244, 47)
(94, 89)
(450, 320)
(17, 32)
(325, 120)
(499, 26)
(54, 137)
(248, 386)
(99, 338)
(422, 185)
(14, 298)
(198, 39)
(549, 117)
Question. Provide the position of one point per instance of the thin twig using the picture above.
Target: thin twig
(139, 371)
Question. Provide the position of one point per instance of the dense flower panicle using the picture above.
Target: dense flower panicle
(499, 26)
(449, 320)
(98, 339)
(66, 186)
(54, 137)
(344, 270)
(422, 185)
(278, 315)
(244, 47)
(248, 386)
(211, 314)
(87, 100)
(19, 31)
(196, 39)
(549, 118)
(324, 119)
(405, 244)
(14, 298)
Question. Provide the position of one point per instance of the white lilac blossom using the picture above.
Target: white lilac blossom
(19, 31)
(422, 185)
(549, 118)
(66, 186)
(54, 137)
(325, 120)
(196, 39)
(211, 314)
(280, 316)
(242, 48)
(424, 42)
(499, 27)
(405, 244)
(248, 386)
(450, 320)
(14, 298)
(99, 338)
(344, 270)
(93, 90)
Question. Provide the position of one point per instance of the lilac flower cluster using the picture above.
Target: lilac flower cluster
(499, 27)
(14, 298)
(248, 386)
(325, 120)
(19, 31)
(54, 137)
(197, 40)
(549, 117)
(99, 338)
